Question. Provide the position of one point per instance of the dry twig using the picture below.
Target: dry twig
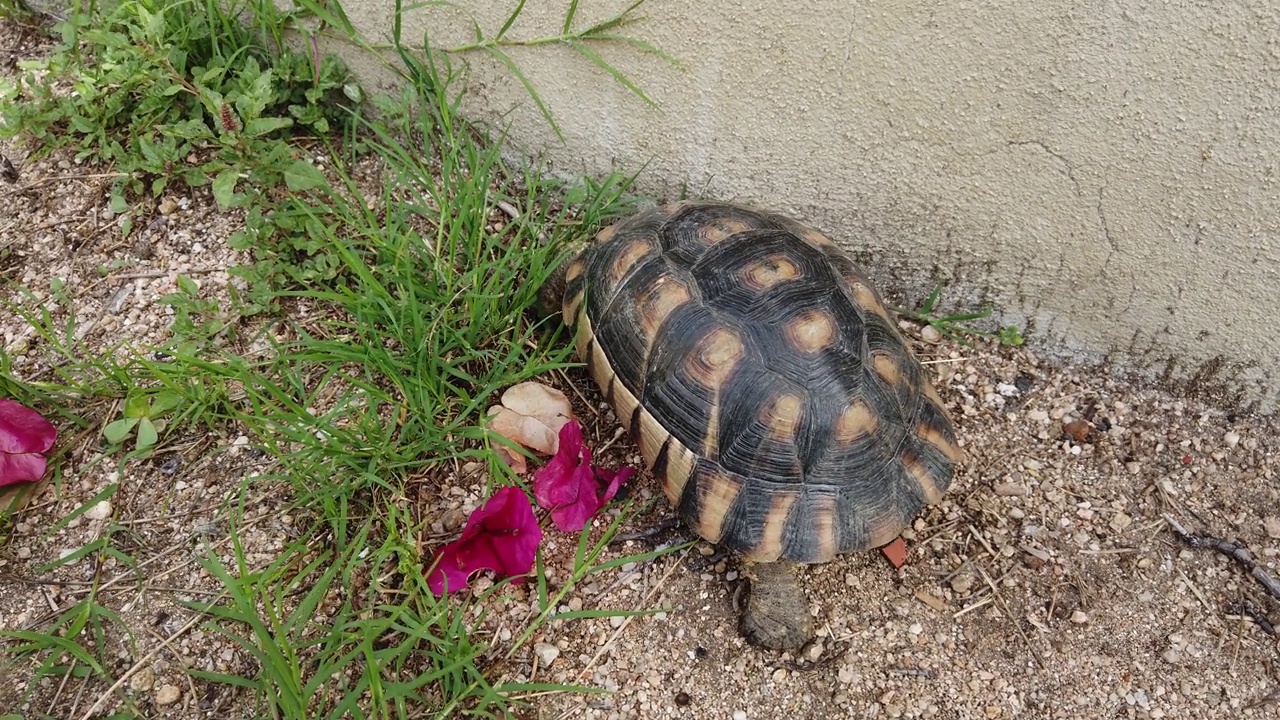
(1234, 550)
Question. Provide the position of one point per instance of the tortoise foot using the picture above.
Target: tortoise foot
(777, 613)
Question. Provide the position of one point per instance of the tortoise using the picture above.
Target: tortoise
(766, 387)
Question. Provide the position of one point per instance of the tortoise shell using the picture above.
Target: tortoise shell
(762, 379)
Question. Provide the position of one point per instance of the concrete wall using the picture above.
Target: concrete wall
(1106, 171)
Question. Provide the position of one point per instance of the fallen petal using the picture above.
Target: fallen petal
(615, 479)
(23, 430)
(553, 483)
(517, 462)
(448, 574)
(501, 535)
(21, 467)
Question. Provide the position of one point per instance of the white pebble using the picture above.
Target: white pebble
(739, 715)
(1232, 438)
(1079, 617)
(101, 511)
(547, 653)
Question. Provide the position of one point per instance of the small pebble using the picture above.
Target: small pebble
(1271, 524)
(1010, 490)
(1037, 415)
(962, 583)
(1078, 430)
(143, 680)
(1232, 438)
(547, 653)
(1120, 521)
(168, 695)
(1079, 617)
(739, 715)
(930, 334)
(101, 511)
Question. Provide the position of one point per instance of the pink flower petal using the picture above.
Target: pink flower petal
(448, 574)
(21, 467)
(25, 437)
(551, 484)
(23, 430)
(501, 535)
(616, 479)
(573, 516)
(568, 484)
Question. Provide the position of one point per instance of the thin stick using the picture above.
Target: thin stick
(1234, 550)
(162, 273)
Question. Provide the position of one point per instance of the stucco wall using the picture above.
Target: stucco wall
(1106, 171)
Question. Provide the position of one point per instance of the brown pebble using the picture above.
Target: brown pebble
(1010, 490)
(168, 695)
(683, 699)
(1078, 430)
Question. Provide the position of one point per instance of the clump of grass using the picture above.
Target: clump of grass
(18, 10)
(178, 92)
(957, 325)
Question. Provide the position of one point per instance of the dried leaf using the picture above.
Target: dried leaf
(539, 401)
(522, 429)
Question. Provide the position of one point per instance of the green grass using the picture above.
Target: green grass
(17, 10)
(420, 316)
(957, 325)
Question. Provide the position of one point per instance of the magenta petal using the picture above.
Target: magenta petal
(573, 516)
(552, 483)
(512, 532)
(501, 535)
(21, 467)
(616, 480)
(448, 571)
(23, 430)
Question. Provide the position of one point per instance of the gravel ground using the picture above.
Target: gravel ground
(1048, 584)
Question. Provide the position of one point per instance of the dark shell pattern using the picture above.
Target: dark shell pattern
(762, 379)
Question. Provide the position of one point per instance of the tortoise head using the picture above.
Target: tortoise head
(551, 294)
